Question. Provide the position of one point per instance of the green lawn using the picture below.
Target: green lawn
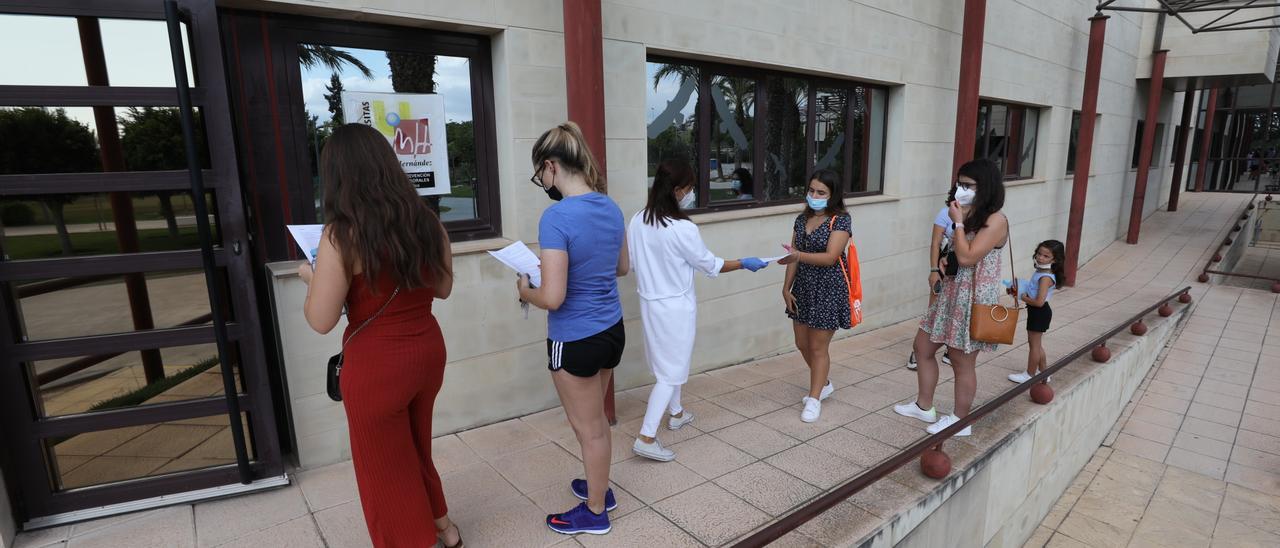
(95, 243)
(88, 210)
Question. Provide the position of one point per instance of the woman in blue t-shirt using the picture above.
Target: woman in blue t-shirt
(581, 237)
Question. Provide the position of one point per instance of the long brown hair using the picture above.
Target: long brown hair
(374, 214)
(566, 144)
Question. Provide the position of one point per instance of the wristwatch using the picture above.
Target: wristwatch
(957, 226)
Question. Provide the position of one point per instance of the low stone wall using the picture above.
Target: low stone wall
(999, 498)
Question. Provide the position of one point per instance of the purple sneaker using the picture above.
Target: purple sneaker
(579, 487)
(579, 520)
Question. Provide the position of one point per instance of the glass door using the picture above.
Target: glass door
(112, 389)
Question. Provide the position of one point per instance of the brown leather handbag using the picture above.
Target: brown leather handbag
(995, 323)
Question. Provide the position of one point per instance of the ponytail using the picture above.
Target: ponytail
(566, 143)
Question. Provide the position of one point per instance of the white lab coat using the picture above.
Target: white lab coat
(664, 260)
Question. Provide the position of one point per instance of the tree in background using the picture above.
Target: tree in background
(312, 55)
(334, 98)
(152, 140)
(37, 140)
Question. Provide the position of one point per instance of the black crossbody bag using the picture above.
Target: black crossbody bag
(334, 373)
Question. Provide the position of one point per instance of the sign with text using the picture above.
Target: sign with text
(414, 125)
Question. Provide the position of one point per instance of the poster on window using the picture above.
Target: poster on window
(414, 124)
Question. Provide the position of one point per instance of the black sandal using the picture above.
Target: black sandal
(440, 539)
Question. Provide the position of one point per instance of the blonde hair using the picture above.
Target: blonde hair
(566, 144)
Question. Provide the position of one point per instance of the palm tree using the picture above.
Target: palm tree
(310, 55)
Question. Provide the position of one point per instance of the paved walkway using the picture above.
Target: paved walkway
(745, 460)
(1195, 458)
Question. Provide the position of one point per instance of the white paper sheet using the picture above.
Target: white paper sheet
(308, 238)
(521, 259)
(773, 259)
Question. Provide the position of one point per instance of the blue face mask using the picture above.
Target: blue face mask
(816, 204)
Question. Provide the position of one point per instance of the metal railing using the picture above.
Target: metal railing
(842, 492)
(1219, 254)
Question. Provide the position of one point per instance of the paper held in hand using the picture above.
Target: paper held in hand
(308, 238)
(519, 258)
(773, 259)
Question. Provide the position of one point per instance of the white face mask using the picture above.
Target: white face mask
(688, 201)
(1046, 266)
(965, 195)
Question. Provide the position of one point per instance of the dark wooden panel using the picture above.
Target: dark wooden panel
(93, 265)
(71, 425)
(90, 96)
(123, 342)
(87, 183)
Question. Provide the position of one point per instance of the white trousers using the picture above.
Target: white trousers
(669, 331)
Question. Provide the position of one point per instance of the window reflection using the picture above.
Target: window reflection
(785, 138)
(327, 71)
(671, 119)
(732, 138)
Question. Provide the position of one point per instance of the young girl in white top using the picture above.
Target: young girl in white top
(666, 249)
(1050, 257)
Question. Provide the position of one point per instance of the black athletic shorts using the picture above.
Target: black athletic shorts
(1038, 318)
(586, 357)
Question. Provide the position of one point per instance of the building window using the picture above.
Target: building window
(754, 136)
(458, 73)
(1007, 135)
(1073, 142)
(1156, 147)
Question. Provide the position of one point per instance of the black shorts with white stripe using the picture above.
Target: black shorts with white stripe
(586, 357)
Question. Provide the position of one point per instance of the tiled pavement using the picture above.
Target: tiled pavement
(745, 460)
(1195, 458)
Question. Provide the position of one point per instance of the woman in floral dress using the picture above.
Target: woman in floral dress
(981, 234)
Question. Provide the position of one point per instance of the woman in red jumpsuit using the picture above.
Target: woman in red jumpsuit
(385, 256)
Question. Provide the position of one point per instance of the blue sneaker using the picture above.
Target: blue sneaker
(579, 487)
(579, 520)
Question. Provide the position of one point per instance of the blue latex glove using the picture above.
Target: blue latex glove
(753, 264)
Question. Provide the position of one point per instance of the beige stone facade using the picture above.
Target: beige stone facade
(1034, 55)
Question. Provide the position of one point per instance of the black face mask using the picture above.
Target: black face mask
(554, 193)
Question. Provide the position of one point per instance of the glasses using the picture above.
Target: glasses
(537, 177)
(964, 185)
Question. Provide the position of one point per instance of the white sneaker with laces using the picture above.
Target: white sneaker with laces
(653, 451)
(944, 422)
(911, 362)
(1020, 377)
(913, 410)
(812, 408)
(677, 422)
(826, 391)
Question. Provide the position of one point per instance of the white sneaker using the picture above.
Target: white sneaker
(913, 410)
(824, 393)
(1020, 377)
(944, 422)
(946, 360)
(911, 362)
(812, 408)
(653, 450)
(676, 422)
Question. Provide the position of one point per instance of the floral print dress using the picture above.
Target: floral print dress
(947, 321)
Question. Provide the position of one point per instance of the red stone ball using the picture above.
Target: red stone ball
(1250, 206)
(1138, 328)
(1275, 287)
(1101, 354)
(1184, 298)
(1235, 229)
(1203, 277)
(1268, 197)
(1244, 217)
(1217, 257)
(1041, 393)
(1226, 241)
(935, 464)
(1166, 310)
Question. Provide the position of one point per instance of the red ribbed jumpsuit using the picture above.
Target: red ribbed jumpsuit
(392, 372)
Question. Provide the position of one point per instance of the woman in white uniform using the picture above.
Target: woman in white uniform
(666, 249)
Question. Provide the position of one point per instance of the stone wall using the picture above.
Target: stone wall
(1034, 55)
(999, 499)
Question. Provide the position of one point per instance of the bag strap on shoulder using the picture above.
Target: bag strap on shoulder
(371, 318)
